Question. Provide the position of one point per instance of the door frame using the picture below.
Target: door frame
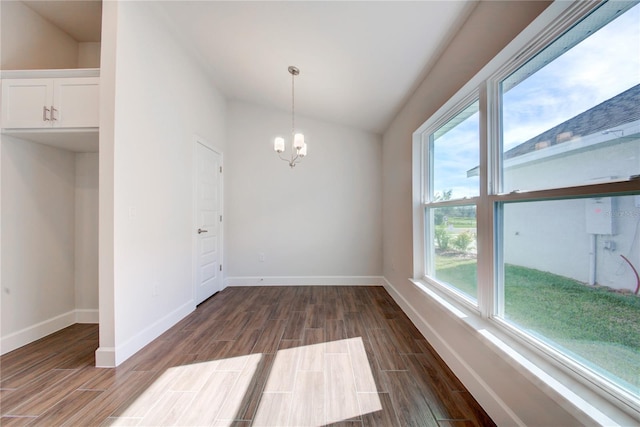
(194, 217)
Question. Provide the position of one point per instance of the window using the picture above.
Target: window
(570, 113)
(453, 150)
(569, 279)
(454, 248)
(554, 181)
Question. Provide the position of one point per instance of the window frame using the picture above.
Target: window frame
(485, 86)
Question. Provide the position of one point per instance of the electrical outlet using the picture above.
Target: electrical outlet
(155, 289)
(261, 257)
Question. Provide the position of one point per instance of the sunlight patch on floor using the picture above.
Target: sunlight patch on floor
(311, 385)
(318, 384)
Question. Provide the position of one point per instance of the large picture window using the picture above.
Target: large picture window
(553, 176)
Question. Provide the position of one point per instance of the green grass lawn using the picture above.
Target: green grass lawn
(596, 324)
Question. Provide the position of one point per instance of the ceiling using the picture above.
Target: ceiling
(81, 19)
(359, 60)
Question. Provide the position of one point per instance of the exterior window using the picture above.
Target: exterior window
(568, 266)
(453, 150)
(454, 248)
(570, 279)
(570, 115)
(554, 181)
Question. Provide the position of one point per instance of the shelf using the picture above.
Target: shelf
(79, 140)
(46, 74)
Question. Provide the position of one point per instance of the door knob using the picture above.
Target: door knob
(200, 231)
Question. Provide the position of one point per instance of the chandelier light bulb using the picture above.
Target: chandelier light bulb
(278, 144)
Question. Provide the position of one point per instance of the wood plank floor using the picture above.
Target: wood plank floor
(261, 356)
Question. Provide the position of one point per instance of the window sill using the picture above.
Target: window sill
(584, 400)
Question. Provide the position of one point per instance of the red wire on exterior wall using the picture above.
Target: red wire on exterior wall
(635, 272)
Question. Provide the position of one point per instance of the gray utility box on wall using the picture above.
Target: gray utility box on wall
(600, 214)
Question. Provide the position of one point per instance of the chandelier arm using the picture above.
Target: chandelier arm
(292, 160)
(295, 161)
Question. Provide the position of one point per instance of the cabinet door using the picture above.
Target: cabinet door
(75, 102)
(24, 102)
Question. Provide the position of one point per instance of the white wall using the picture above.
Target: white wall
(497, 385)
(548, 236)
(86, 234)
(89, 55)
(28, 41)
(38, 240)
(49, 240)
(151, 107)
(321, 218)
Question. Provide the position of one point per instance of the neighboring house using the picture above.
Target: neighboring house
(602, 143)
(582, 131)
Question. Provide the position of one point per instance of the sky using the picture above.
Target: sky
(598, 68)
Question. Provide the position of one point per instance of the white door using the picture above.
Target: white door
(208, 222)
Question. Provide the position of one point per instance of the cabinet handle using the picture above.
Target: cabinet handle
(45, 110)
(53, 115)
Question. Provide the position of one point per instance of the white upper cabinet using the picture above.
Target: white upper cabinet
(25, 103)
(40, 103)
(76, 100)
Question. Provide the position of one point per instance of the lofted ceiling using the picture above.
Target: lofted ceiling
(359, 60)
(81, 19)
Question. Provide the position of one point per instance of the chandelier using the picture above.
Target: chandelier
(298, 146)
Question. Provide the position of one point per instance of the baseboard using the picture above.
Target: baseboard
(105, 357)
(305, 281)
(46, 327)
(37, 331)
(473, 381)
(122, 352)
